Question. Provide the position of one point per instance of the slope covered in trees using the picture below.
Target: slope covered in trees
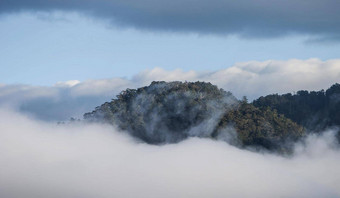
(315, 110)
(168, 112)
(262, 127)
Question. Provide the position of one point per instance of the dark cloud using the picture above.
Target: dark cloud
(247, 18)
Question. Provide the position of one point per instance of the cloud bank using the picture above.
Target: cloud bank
(40, 159)
(251, 79)
(247, 18)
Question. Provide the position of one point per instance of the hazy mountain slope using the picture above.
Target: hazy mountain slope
(261, 127)
(170, 112)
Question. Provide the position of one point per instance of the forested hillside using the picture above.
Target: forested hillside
(315, 110)
(168, 112)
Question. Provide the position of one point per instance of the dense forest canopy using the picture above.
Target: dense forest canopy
(168, 112)
(315, 110)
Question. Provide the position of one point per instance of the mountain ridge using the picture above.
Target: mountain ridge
(169, 112)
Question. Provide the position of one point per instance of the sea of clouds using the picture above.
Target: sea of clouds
(42, 159)
(39, 158)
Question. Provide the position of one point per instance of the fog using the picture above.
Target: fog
(39, 159)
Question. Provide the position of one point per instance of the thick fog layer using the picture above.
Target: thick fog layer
(252, 79)
(39, 160)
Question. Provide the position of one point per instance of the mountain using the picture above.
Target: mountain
(168, 112)
(262, 127)
(315, 110)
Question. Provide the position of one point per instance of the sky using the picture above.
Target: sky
(70, 56)
(43, 43)
(62, 58)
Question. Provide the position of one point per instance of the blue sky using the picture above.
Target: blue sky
(42, 47)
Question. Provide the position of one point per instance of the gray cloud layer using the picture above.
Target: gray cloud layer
(41, 160)
(262, 18)
(252, 79)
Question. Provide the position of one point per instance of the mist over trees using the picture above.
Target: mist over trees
(170, 112)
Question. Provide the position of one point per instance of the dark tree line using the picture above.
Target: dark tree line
(315, 110)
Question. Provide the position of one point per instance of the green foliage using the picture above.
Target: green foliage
(315, 110)
(170, 112)
(262, 127)
(164, 112)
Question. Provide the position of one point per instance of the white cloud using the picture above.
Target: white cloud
(99, 87)
(40, 159)
(69, 83)
(252, 79)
